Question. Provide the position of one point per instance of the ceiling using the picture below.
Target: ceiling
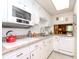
(50, 8)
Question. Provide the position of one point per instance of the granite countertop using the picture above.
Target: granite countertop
(25, 42)
(8, 47)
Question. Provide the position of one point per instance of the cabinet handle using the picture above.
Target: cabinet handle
(57, 39)
(19, 54)
(43, 42)
(27, 58)
(32, 54)
(36, 46)
(45, 45)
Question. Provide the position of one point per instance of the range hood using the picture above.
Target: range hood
(15, 25)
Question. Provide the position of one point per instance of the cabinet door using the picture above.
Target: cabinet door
(17, 54)
(44, 50)
(50, 45)
(26, 56)
(36, 54)
(4, 10)
(35, 13)
(66, 44)
(11, 3)
(13, 55)
(56, 43)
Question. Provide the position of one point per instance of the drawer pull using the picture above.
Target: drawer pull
(43, 42)
(36, 46)
(19, 54)
(32, 54)
(27, 58)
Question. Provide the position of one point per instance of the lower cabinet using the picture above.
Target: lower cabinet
(44, 51)
(64, 45)
(27, 56)
(39, 50)
(18, 54)
(36, 54)
(56, 44)
(35, 51)
(50, 45)
(67, 45)
(46, 48)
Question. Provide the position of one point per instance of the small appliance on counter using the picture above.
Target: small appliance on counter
(29, 34)
(10, 37)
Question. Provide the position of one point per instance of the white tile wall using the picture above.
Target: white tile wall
(16, 31)
(21, 31)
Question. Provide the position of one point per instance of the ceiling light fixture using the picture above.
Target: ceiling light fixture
(61, 4)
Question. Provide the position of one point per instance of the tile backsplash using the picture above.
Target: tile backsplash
(16, 31)
(20, 31)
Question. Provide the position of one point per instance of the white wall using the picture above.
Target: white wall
(38, 11)
(68, 15)
(75, 8)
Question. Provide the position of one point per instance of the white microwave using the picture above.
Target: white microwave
(18, 14)
(21, 15)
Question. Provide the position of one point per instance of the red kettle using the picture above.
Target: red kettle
(9, 37)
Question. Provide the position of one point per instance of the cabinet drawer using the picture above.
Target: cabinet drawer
(35, 46)
(17, 54)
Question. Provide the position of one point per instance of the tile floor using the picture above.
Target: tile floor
(56, 55)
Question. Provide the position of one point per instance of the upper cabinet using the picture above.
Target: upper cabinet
(23, 8)
(29, 6)
(17, 12)
(35, 13)
(4, 10)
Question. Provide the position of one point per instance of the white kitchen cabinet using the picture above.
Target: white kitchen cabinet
(36, 54)
(50, 45)
(7, 9)
(35, 13)
(56, 43)
(45, 50)
(26, 56)
(36, 51)
(22, 53)
(64, 45)
(42, 51)
(28, 3)
(67, 44)
(12, 3)
(4, 13)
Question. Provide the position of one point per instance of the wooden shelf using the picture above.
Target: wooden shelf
(62, 29)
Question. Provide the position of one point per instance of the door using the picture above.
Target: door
(12, 3)
(36, 54)
(21, 53)
(4, 10)
(50, 45)
(13, 55)
(56, 43)
(44, 49)
(67, 44)
(27, 56)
